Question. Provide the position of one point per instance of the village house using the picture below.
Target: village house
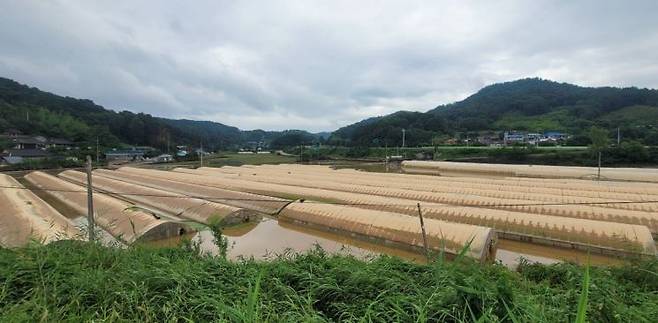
(17, 156)
(19, 147)
(512, 137)
(124, 155)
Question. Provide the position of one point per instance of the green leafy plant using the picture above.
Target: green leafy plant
(219, 239)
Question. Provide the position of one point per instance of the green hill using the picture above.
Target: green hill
(526, 104)
(33, 111)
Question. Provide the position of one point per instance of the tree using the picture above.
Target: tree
(632, 151)
(651, 139)
(599, 138)
(291, 138)
(4, 144)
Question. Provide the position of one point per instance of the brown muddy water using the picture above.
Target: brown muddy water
(271, 238)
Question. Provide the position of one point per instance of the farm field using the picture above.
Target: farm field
(232, 159)
(554, 219)
(561, 214)
(267, 224)
(537, 171)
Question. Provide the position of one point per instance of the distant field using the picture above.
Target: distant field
(234, 159)
(247, 159)
(538, 147)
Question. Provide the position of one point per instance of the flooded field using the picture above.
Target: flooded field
(270, 238)
(340, 198)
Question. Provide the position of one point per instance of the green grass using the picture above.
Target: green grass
(74, 282)
(232, 159)
(581, 317)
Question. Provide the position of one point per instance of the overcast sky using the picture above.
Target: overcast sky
(317, 65)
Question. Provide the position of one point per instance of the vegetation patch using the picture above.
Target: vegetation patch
(77, 281)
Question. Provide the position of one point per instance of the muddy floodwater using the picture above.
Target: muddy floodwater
(271, 238)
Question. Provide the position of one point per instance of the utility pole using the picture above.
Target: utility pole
(422, 228)
(97, 152)
(598, 173)
(386, 155)
(90, 203)
(618, 136)
(301, 148)
(404, 131)
(201, 154)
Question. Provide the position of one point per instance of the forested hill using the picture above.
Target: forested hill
(527, 104)
(33, 111)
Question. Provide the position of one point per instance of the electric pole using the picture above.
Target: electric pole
(90, 203)
(403, 136)
(97, 152)
(618, 136)
(598, 173)
(422, 228)
(201, 154)
(301, 148)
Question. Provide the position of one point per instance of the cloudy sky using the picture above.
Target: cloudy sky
(317, 65)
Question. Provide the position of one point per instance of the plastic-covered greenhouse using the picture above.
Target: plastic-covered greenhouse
(574, 229)
(119, 218)
(25, 216)
(194, 209)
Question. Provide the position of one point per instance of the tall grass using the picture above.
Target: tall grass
(584, 295)
(78, 281)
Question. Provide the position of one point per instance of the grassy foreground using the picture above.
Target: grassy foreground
(76, 281)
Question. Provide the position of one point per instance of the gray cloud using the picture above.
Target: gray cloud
(317, 65)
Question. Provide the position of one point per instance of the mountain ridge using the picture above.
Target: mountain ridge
(515, 105)
(531, 104)
(82, 120)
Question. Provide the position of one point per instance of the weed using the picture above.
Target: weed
(214, 224)
(582, 300)
(77, 281)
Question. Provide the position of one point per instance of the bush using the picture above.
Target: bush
(631, 152)
(514, 154)
(357, 152)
